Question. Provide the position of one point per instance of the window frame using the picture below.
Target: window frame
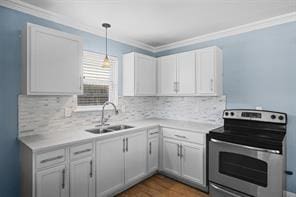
(114, 85)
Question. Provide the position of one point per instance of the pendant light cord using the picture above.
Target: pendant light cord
(106, 41)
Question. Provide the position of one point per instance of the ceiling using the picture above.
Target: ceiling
(160, 22)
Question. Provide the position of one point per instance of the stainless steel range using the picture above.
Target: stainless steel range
(247, 155)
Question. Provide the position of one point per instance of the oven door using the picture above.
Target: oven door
(253, 171)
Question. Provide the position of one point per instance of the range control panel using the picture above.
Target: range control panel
(256, 115)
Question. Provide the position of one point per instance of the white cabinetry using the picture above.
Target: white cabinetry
(193, 73)
(139, 75)
(153, 150)
(176, 74)
(52, 182)
(135, 157)
(51, 62)
(110, 165)
(122, 160)
(192, 157)
(184, 155)
(82, 178)
(186, 73)
(171, 156)
(167, 75)
(209, 71)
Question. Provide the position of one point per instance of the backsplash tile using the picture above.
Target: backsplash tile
(39, 114)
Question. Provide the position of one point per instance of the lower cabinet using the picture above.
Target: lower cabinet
(192, 162)
(171, 156)
(184, 159)
(110, 165)
(120, 161)
(117, 163)
(153, 154)
(52, 182)
(82, 178)
(135, 157)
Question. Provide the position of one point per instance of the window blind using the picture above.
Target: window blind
(93, 73)
(98, 82)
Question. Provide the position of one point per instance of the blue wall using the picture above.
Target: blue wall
(260, 70)
(11, 24)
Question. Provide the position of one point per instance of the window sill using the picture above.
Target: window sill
(93, 108)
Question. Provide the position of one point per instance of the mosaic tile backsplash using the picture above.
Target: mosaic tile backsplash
(39, 114)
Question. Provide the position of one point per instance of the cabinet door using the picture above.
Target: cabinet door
(52, 182)
(145, 75)
(171, 157)
(167, 75)
(193, 162)
(109, 166)
(82, 178)
(205, 71)
(186, 73)
(55, 66)
(135, 156)
(153, 150)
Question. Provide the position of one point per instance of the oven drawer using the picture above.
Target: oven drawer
(216, 190)
(184, 135)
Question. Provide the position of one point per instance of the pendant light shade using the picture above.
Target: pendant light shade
(106, 62)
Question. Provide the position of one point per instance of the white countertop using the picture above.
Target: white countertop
(54, 139)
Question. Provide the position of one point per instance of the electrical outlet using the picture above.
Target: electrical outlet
(259, 108)
(68, 112)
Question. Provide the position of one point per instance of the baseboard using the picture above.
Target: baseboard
(289, 194)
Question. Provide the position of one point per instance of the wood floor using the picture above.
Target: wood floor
(161, 186)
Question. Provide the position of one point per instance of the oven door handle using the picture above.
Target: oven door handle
(223, 190)
(246, 147)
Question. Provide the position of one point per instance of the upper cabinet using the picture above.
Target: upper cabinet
(51, 62)
(167, 75)
(176, 74)
(209, 72)
(139, 75)
(193, 73)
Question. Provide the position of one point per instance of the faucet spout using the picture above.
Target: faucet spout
(103, 112)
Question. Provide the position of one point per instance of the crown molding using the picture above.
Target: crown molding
(57, 18)
(286, 18)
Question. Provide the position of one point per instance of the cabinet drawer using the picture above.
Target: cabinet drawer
(50, 158)
(184, 135)
(153, 132)
(81, 151)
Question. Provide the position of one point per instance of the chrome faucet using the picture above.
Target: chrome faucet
(103, 120)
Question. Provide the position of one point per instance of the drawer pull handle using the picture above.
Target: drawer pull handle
(82, 151)
(178, 150)
(126, 144)
(154, 133)
(181, 136)
(63, 177)
(91, 169)
(51, 159)
(150, 151)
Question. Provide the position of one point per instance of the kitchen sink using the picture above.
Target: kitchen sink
(119, 127)
(109, 129)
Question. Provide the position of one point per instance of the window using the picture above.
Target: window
(99, 84)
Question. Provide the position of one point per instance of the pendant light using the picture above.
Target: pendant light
(106, 63)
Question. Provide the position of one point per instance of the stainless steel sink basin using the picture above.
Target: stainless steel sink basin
(109, 129)
(119, 127)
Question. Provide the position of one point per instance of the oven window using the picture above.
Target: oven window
(243, 167)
